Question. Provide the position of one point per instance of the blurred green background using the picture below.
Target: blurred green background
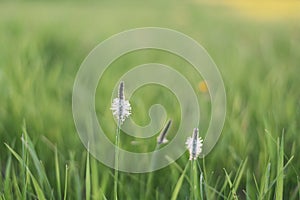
(42, 47)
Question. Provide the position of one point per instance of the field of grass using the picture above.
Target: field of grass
(42, 45)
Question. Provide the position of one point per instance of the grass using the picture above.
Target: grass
(42, 47)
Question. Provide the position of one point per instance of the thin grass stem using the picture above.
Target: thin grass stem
(116, 174)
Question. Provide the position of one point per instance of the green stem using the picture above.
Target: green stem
(149, 181)
(116, 175)
(194, 193)
(201, 179)
(192, 197)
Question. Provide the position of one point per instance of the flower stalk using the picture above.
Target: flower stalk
(194, 145)
(161, 139)
(121, 110)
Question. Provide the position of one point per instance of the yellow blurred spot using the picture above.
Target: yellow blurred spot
(203, 86)
(265, 9)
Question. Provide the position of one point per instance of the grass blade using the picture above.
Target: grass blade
(17, 192)
(7, 181)
(248, 186)
(43, 180)
(279, 183)
(57, 173)
(87, 178)
(66, 183)
(265, 181)
(201, 185)
(232, 191)
(179, 184)
(36, 186)
(96, 191)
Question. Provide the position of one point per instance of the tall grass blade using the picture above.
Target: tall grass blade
(43, 179)
(7, 181)
(248, 186)
(38, 190)
(87, 178)
(298, 182)
(57, 173)
(232, 191)
(201, 185)
(17, 192)
(279, 183)
(24, 173)
(265, 181)
(66, 183)
(179, 183)
(257, 188)
(96, 191)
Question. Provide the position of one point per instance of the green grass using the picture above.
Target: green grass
(42, 47)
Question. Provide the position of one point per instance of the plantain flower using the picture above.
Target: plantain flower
(194, 145)
(161, 139)
(120, 107)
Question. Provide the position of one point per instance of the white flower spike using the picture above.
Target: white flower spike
(120, 107)
(194, 145)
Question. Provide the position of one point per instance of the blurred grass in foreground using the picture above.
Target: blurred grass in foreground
(42, 46)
